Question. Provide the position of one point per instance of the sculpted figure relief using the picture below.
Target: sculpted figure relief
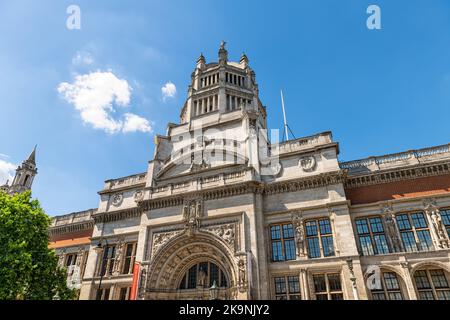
(391, 228)
(192, 214)
(439, 228)
(297, 222)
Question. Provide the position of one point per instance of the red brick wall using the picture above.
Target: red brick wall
(400, 189)
(73, 235)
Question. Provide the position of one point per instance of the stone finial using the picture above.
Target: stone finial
(244, 59)
(201, 61)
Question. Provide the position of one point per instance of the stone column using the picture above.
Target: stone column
(407, 277)
(304, 288)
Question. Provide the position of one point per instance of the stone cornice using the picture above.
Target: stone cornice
(110, 216)
(398, 174)
(317, 181)
(72, 227)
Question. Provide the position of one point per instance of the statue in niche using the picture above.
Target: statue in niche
(242, 273)
(201, 282)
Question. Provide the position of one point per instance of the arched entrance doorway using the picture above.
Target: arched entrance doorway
(187, 266)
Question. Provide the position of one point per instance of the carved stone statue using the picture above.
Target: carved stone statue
(439, 228)
(242, 273)
(392, 232)
(297, 222)
(201, 282)
(192, 214)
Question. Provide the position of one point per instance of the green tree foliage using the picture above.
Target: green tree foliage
(28, 268)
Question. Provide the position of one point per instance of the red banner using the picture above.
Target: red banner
(134, 286)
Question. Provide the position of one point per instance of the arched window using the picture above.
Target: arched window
(432, 284)
(26, 179)
(203, 274)
(390, 287)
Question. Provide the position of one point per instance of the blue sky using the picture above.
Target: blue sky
(378, 91)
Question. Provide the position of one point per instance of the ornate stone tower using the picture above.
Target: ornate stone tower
(25, 174)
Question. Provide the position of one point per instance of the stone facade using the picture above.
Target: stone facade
(220, 204)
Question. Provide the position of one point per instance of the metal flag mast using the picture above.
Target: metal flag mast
(287, 129)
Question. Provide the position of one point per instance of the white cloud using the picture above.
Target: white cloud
(94, 95)
(168, 90)
(7, 170)
(135, 123)
(82, 58)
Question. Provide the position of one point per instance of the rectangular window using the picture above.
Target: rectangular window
(414, 232)
(282, 242)
(130, 254)
(372, 239)
(432, 284)
(287, 288)
(107, 265)
(445, 215)
(124, 293)
(390, 288)
(319, 238)
(102, 294)
(328, 286)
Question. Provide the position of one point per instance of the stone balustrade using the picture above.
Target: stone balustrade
(389, 161)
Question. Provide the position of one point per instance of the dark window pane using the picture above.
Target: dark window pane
(337, 296)
(277, 251)
(313, 248)
(325, 227)
(381, 245)
(290, 249)
(425, 240)
(319, 283)
(361, 226)
(438, 278)
(426, 295)
(409, 241)
(443, 295)
(395, 296)
(288, 231)
(376, 225)
(192, 277)
(327, 245)
(445, 215)
(321, 296)
(294, 284)
(280, 285)
(378, 296)
(214, 275)
(403, 222)
(418, 220)
(366, 245)
(275, 232)
(422, 280)
(311, 228)
(334, 281)
(391, 281)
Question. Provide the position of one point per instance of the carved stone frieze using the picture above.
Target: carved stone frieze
(160, 239)
(226, 232)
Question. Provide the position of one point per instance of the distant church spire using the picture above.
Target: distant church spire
(25, 174)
